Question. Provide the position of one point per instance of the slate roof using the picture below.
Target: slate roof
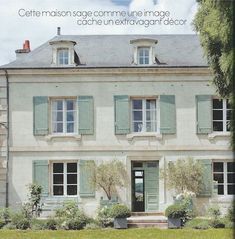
(116, 51)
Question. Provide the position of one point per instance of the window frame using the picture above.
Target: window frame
(224, 120)
(144, 57)
(157, 114)
(65, 173)
(58, 56)
(225, 175)
(64, 133)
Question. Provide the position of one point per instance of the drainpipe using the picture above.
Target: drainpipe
(8, 143)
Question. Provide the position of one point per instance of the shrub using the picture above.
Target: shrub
(2, 223)
(92, 226)
(214, 212)
(9, 226)
(231, 212)
(104, 217)
(177, 210)
(218, 223)
(198, 223)
(120, 211)
(20, 221)
(37, 224)
(5, 214)
(51, 224)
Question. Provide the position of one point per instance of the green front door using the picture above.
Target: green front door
(147, 175)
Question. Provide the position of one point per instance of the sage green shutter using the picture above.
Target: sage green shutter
(86, 171)
(40, 115)
(85, 115)
(121, 114)
(167, 114)
(206, 187)
(41, 175)
(204, 114)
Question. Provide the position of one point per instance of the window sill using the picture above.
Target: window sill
(54, 136)
(144, 134)
(219, 134)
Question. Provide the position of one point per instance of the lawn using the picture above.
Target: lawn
(120, 234)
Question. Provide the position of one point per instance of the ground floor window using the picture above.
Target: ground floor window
(224, 174)
(64, 179)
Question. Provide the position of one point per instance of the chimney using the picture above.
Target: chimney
(24, 51)
(58, 31)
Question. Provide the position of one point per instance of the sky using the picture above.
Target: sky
(15, 29)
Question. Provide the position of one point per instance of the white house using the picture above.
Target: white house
(145, 100)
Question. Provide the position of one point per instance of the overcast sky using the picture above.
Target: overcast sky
(15, 29)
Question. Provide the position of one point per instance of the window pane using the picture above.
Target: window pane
(231, 167)
(137, 104)
(228, 125)
(217, 104)
(72, 179)
(138, 173)
(217, 126)
(151, 126)
(57, 116)
(70, 104)
(221, 189)
(231, 178)
(231, 189)
(138, 126)
(218, 167)
(72, 190)
(70, 116)
(151, 104)
(219, 178)
(217, 115)
(58, 128)
(58, 168)
(70, 128)
(137, 115)
(58, 179)
(229, 113)
(146, 61)
(58, 190)
(72, 167)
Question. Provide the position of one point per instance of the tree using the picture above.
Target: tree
(214, 21)
(110, 175)
(183, 175)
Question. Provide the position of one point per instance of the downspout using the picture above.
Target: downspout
(8, 143)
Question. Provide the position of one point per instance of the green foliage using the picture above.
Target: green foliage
(110, 175)
(2, 223)
(120, 211)
(104, 217)
(92, 226)
(198, 223)
(214, 212)
(177, 210)
(5, 215)
(183, 175)
(214, 21)
(37, 224)
(231, 212)
(20, 221)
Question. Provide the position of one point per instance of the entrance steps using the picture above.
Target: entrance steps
(143, 219)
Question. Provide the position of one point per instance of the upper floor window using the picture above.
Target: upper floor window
(143, 55)
(221, 115)
(63, 56)
(64, 116)
(144, 115)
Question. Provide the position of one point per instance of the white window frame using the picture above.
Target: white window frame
(225, 173)
(64, 178)
(65, 117)
(224, 120)
(63, 57)
(145, 56)
(144, 114)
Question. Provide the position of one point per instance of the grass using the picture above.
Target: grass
(149, 233)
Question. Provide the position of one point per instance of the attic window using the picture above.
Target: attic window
(143, 55)
(63, 56)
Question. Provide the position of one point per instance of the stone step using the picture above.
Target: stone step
(147, 214)
(147, 224)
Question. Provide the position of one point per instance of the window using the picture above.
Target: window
(64, 116)
(221, 115)
(64, 179)
(143, 55)
(63, 56)
(224, 174)
(144, 115)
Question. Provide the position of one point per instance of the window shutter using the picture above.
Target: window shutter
(204, 114)
(85, 115)
(41, 175)
(167, 114)
(86, 169)
(40, 114)
(121, 114)
(206, 189)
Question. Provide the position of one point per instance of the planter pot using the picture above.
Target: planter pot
(120, 223)
(174, 222)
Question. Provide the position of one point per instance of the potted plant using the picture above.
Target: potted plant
(120, 213)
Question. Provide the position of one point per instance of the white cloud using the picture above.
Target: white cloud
(14, 29)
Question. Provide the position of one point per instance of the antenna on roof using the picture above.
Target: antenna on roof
(58, 31)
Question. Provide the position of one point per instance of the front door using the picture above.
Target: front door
(145, 186)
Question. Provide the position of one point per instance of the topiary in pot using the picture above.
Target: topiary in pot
(120, 213)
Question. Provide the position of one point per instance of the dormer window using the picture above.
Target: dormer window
(63, 56)
(143, 55)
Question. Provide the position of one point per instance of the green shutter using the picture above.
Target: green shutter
(167, 114)
(85, 115)
(204, 114)
(121, 114)
(87, 188)
(206, 188)
(41, 175)
(40, 115)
